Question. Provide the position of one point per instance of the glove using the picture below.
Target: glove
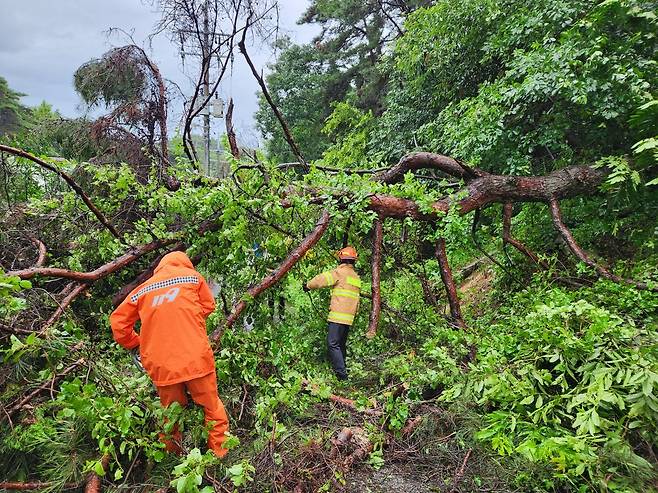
(306, 288)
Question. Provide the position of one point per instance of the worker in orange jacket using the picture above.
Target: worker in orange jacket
(346, 289)
(173, 306)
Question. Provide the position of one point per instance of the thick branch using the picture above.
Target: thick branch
(70, 181)
(568, 238)
(291, 260)
(96, 274)
(508, 238)
(449, 282)
(427, 160)
(376, 260)
(488, 189)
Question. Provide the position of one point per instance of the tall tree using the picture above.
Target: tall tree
(12, 113)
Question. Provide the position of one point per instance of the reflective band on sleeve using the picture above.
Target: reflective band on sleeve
(329, 278)
(348, 293)
(341, 318)
(353, 281)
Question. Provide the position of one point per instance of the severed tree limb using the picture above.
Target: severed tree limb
(449, 282)
(282, 121)
(42, 251)
(71, 182)
(230, 131)
(508, 238)
(94, 480)
(376, 260)
(290, 261)
(96, 274)
(568, 238)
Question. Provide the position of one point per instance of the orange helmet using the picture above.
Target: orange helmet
(347, 253)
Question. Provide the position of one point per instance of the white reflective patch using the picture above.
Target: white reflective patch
(169, 296)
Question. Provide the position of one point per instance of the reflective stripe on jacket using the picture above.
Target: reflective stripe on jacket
(173, 306)
(346, 286)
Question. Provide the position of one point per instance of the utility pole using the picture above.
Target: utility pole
(204, 44)
(206, 87)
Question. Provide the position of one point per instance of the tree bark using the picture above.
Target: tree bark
(94, 480)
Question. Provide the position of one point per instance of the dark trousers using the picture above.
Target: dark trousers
(336, 340)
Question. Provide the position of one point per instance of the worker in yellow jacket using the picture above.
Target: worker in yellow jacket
(346, 288)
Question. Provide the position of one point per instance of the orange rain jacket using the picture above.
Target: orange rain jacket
(345, 293)
(173, 306)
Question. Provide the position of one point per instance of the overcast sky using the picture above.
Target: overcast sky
(42, 42)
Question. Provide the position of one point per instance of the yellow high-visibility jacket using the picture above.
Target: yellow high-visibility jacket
(346, 286)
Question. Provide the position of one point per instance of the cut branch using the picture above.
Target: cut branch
(376, 260)
(94, 480)
(568, 238)
(70, 181)
(449, 282)
(342, 401)
(291, 260)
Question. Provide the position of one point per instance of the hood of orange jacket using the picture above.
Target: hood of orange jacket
(174, 259)
(172, 306)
